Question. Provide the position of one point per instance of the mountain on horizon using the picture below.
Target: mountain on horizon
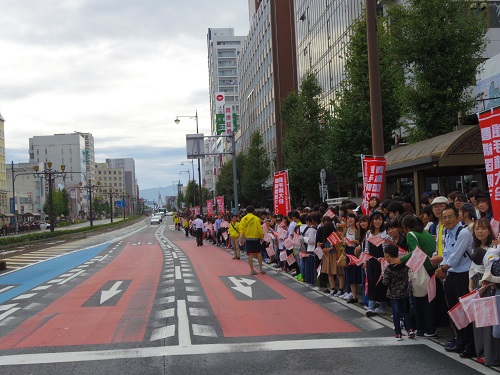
(152, 194)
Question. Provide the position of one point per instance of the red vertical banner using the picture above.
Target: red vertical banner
(220, 203)
(210, 208)
(196, 210)
(373, 179)
(281, 193)
(489, 123)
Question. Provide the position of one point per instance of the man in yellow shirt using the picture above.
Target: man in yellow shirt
(251, 229)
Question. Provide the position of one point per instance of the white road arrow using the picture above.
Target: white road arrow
(108, 294)
(246, 290)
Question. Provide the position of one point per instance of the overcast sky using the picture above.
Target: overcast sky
(119, 69)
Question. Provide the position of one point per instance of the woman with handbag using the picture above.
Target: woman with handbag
(426, 313)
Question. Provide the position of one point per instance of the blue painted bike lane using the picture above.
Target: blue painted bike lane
(30, 277)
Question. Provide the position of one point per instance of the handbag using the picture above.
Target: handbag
(418, 280)
(342, 259)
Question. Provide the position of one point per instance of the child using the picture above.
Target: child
(396, 279)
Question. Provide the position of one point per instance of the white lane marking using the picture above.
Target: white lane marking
(183, 320)
(195, 311)
(65, 275)
(192, 289)
(164, 300)
(55, 281)
(104, 257)
(7, 307)
(168, 351)
(83, 266)
(6, 288)
(42, 287)
(178, 274)
(195, 299)
(162, 333)
(9, 312)
(203, 330)
(113, 291)
(72, 277)
(24, 296)
(175, 255)
(162, 314)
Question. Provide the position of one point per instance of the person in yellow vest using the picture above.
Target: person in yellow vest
(234, 235)
(251, 230)
(437, 229)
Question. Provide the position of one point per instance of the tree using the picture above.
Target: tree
(225, 185)
(303, 137)
(60, 202)
(256, 171)
(349, 134)
(439, 43)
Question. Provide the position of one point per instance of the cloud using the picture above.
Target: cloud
(119, 69)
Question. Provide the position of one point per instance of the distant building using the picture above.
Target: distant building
(129, 182)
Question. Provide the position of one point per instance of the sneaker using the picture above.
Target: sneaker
(346, 296)
(398, 337)
(339, 293)
(333, 292)
(370, 313)
(327, 291)
(411, 334)
(378, 310)
(315, 287)
(294, 273)
(429, 335)
(352, 300)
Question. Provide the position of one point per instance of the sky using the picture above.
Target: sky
(119, 69)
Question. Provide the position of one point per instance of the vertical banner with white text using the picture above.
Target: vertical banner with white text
(210, 208)
(220, 203)
(281, 193)
(373, 179)
(489, 123)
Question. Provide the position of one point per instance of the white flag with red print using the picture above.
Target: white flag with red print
(288, 243)
(417, 259)
(282, 256)
(282, 233)
(319, 252)
(459, 317)
(485, 311)
(401, 252)
(318, 270)
(363, 257)
(383, 265)
(376, 240)
(348, 242)
(329, 213)
(431, 288)
(466, 301)
(303, 255)
(270, 251)
(290, 259)
(334, 238)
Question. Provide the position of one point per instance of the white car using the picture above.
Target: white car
(170, 213)
(156, 220)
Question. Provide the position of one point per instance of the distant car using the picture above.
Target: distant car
(156, 220)
(170, 213)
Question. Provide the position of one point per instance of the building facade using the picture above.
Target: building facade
(129, 182)
(267, 75)
(223, 51)
(4, 203)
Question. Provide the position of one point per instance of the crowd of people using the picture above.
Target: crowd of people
(362, 257)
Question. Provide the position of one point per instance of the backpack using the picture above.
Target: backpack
(303, 245)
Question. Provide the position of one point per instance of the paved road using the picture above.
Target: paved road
(147, 300)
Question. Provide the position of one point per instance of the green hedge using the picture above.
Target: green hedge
(46, 234)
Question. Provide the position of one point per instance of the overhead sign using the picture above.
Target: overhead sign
(245, 288)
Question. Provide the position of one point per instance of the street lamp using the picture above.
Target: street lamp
(90, 188)
(124, 205)
(177, 121)
(50, 175)
(192, 165)
(111, 195)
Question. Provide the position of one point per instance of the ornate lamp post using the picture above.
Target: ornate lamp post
(112, 193)
(89, 188)
(50, 175)
(124, 205)
(177, 121)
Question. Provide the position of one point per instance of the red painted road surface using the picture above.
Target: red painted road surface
(67, 322)
(294, 314)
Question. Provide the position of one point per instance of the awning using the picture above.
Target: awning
(460, 148)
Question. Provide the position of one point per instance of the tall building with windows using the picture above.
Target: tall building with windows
(267, 73)
(127, 168)
(223, 51)
(60, 149)
(4, 204)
